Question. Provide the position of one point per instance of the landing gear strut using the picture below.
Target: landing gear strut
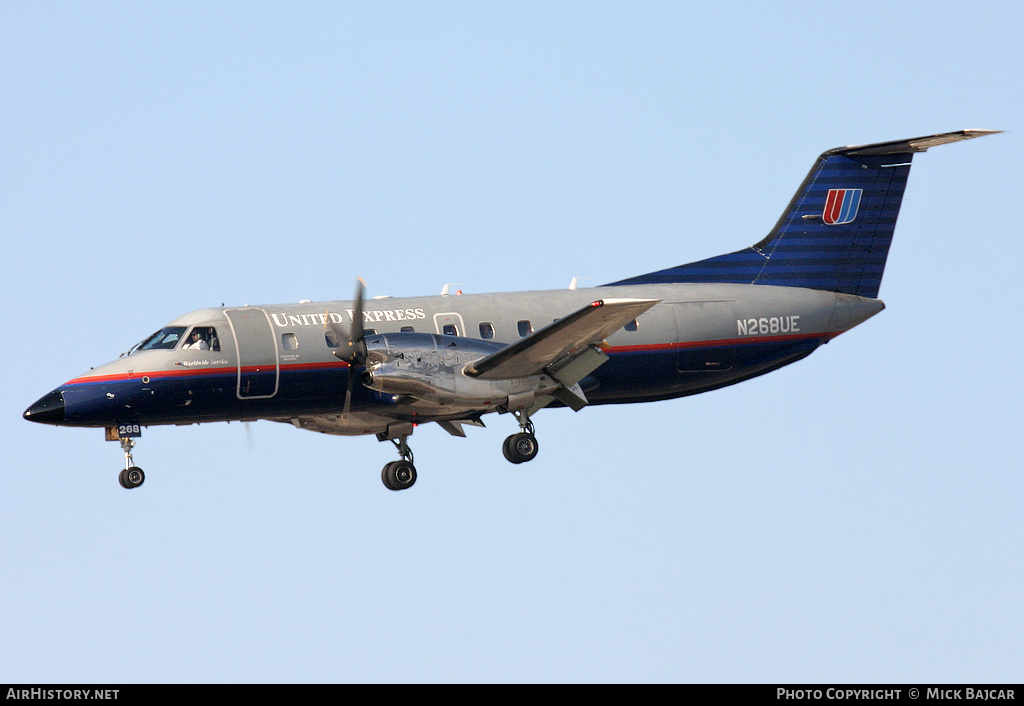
(521, 447)
(132, 476)
(401, 474)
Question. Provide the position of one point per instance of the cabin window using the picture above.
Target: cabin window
(450, 330)
(289, 341)
(525, 328)
(486, 330)
(631, 326)
(408, 329)
(202, 338)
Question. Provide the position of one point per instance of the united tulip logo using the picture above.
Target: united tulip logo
(841, 206)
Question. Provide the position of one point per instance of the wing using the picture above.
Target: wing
(558, 344)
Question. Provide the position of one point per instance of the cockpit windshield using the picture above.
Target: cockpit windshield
(166, 338)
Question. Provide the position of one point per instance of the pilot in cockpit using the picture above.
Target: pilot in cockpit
(196, 342)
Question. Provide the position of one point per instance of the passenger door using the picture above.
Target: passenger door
(256, 348)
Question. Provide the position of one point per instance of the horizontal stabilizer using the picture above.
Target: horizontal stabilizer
(915, 144)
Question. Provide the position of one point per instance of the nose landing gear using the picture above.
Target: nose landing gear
(132, 476)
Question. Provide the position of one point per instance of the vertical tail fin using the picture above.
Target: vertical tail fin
(836, 232)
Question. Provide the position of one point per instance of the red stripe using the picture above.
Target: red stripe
(302, 367)
(721, 342)
(198, 372)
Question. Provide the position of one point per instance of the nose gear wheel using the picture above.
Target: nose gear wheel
(132, 476)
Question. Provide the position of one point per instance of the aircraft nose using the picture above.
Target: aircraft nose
(48, 410)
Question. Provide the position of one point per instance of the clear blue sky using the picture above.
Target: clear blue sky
(855, 517)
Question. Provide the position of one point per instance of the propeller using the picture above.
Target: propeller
(351, 346)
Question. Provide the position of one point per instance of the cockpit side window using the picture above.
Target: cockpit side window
(202, 338)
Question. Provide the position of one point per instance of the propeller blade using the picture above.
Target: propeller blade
(352, 348)
(337, 335)
(348, 394)
(357, 316)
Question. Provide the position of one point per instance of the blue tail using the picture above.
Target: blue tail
(836, 232)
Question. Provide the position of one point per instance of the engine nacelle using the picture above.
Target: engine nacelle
(430, 367)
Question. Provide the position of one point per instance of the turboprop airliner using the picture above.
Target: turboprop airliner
(386, 365)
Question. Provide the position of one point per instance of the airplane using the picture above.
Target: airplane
(387, 365)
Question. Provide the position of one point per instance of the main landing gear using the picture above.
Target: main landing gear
(401, 474)
(132, 476)
(521, 447)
